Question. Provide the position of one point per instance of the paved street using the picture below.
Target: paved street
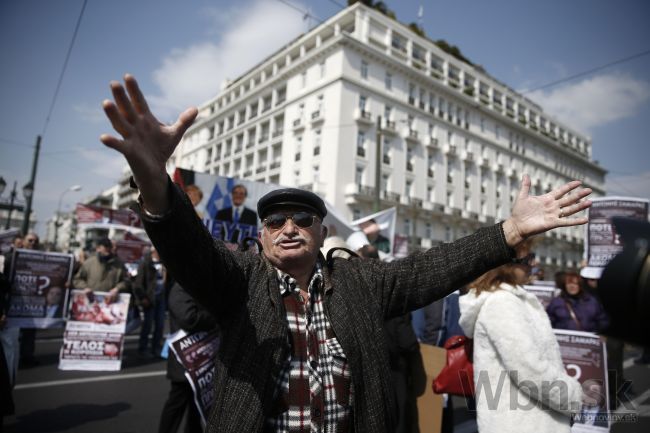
(50, 400)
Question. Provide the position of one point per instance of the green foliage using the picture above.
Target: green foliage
(415, 28)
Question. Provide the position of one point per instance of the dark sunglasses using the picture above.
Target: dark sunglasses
(277, 220)
(525, 260)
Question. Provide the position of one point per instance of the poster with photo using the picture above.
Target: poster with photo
(196, 352)
(602, 242)
(585, 359)
(543, 293)
(94, 335)
(38, 293)
(7, 240)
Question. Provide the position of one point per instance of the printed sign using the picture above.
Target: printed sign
(585, 359)
(38, 293)
(602, 241)
(94, 335)
(196, 352)
(87, 214)
(543, 293)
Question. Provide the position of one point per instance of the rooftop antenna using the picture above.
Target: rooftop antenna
(420, 15)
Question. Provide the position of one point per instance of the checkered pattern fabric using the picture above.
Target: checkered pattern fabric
(315, 388)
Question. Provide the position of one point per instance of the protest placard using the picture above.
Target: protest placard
(38, 293)
(585, 359)
(94, 335)
(196, 352)
(602, 242)
(543, 293)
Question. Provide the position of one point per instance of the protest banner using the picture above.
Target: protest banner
(602, 242)
(543, 293)
(87, 214)
(7, 239)
(38, 293)
(94, 335)
(196, 352)
(585, 359)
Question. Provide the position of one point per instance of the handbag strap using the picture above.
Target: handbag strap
(573, 314)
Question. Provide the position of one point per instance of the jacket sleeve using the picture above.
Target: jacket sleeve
(188, 314)
(139, 284)
(511, 333)
(551, 311)
(602, 318)
(203, 266)
(421, 278)
(124, 283)
(80, 280)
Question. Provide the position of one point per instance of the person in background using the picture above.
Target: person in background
(28, 335)
(103, 272)
(575, 308)
(8, 343)
(150, 292)
(185, 314)
(514, 344)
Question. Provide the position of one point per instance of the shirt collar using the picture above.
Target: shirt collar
(289, 284)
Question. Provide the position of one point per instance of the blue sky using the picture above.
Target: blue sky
(181, 51)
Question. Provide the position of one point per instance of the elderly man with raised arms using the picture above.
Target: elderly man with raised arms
(302, 347)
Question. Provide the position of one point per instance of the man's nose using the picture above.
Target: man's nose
(290, 227)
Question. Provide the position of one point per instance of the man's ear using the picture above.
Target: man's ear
(323, 235)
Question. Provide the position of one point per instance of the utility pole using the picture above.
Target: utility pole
(378, 157)
(32, 181)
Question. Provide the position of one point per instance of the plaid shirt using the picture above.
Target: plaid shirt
(314, 390)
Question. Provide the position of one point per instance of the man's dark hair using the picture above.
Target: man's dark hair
(239, 185)
(369, 252)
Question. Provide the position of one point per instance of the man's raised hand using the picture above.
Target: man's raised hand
(146, 143)
(532, 215)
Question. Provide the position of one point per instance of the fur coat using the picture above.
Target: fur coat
(521, 383)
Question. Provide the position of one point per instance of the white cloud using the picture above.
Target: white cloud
(191, 75)
(629, 185)
(595, 101)
(105, 163)
(92, 114)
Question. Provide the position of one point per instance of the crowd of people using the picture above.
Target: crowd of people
(317, 340)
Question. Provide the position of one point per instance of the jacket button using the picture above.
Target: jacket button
(313, 364)
(316, 412)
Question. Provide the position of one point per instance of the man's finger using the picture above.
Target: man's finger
(184, 121)
(123, 102)
(574, 197)
(525, 186)
(574, 209)
(559, 192)
(112, 142)
(118, 122)
(137, 97)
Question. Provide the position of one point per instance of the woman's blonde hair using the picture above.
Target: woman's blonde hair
(491, 280)
(504, 274)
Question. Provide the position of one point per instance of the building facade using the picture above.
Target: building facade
(453, 141)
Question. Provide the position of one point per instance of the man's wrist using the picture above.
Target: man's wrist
(511, 233)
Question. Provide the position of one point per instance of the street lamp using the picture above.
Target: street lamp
(58, 212)
(12, 198)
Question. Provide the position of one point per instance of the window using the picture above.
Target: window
(388, 81)
(408, 187)
(430, 195)
(316, 171)
(358, 175)
(361, 144)
(482, 124)
(298, 148)
(412, 94)
(362, 103)
(321, 68)
(303, 79)
(364, 69)
(386, 151)
(317, 141)
(447, 234)
(428, 232)
(407, 226)
(384, 183)
(388, 111)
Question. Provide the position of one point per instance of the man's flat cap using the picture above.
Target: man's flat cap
(291, 197)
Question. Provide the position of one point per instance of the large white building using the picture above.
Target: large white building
(455, 141)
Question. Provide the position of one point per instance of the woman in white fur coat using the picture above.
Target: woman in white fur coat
(521, 383)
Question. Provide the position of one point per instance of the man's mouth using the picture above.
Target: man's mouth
(290, 243)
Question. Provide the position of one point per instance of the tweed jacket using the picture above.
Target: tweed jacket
(241, 290)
